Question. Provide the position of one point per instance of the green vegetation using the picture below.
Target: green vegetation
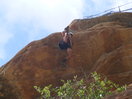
(81, 89)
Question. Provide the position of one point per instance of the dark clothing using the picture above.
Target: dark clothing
(63, 45)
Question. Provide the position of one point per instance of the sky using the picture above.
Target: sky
(23, 21)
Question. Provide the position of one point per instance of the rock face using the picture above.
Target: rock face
(104, 46)
(7, 91)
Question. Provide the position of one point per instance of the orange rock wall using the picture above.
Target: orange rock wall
(105, 48)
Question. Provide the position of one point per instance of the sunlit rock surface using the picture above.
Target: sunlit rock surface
(102, 44)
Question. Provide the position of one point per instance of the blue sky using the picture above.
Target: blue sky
(23, 21)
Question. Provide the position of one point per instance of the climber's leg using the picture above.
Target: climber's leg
(69, 52)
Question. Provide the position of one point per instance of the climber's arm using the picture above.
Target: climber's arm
(63, 33)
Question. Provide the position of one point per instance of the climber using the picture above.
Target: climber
(66, 42)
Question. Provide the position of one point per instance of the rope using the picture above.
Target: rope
(109, 10)
(127, 9)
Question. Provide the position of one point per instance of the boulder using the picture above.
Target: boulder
(7, 91)
(105, 47)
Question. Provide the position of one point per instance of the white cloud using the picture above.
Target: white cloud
(4, 39)
(52, 15)
(31, 17)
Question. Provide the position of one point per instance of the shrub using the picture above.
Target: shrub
(81, 89)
